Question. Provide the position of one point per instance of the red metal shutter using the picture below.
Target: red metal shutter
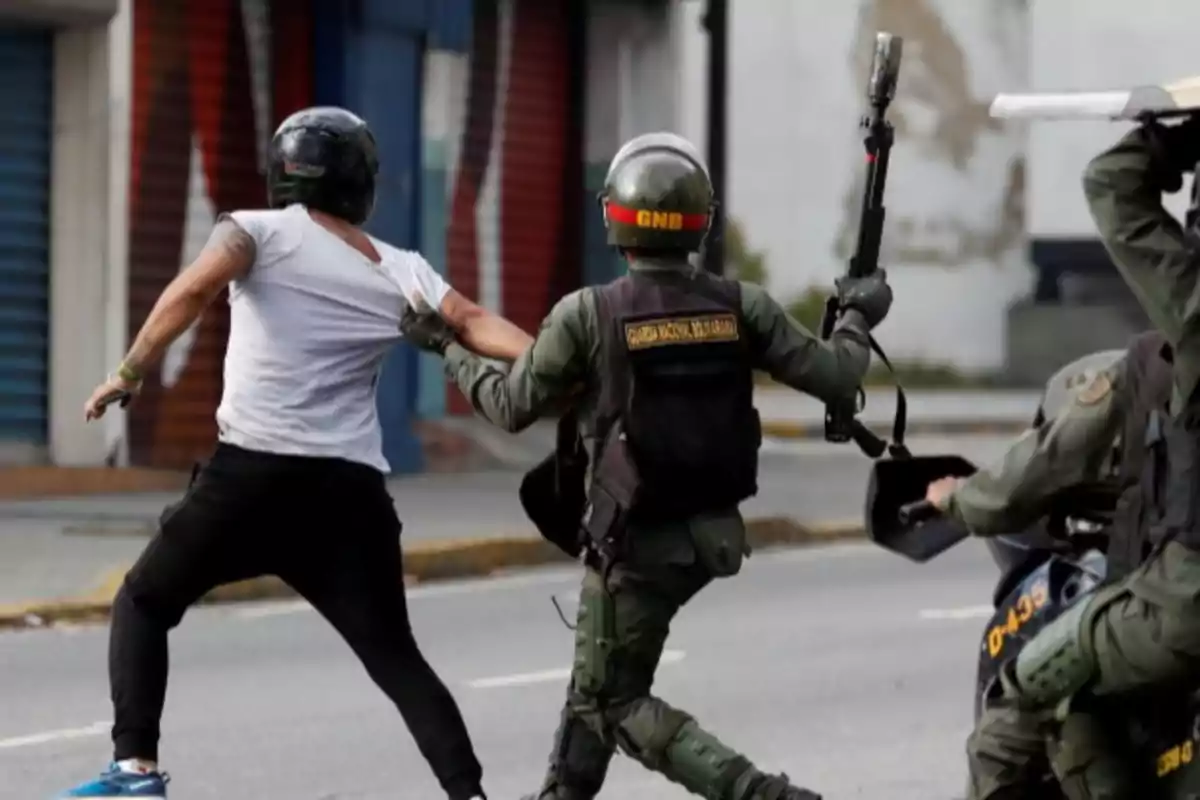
(525, 142)
(533, 164)
(192, 84)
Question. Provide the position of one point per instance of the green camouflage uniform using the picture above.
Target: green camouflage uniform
(609, 704)
(1145, 629)
(1073, 445)
(1007, 752)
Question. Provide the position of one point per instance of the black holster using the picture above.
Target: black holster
(553, 493)
(612, 497)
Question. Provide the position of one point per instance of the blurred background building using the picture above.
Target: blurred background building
(989, 245)
(126, 126)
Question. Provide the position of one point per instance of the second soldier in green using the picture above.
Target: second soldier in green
(1142, 631)
(1099, 423)
(665, 358)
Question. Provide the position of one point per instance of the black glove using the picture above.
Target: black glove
(870, 296)
(426, 330)
(1175, 149)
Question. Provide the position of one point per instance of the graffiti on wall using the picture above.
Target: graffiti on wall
(941, 120)
(500, 163)
(209, 81)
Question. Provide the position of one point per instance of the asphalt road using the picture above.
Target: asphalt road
(845, 666)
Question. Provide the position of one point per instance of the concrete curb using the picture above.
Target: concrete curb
(466, 558)
(951, 427)
(20, 483)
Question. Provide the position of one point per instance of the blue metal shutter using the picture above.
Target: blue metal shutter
(26, 62)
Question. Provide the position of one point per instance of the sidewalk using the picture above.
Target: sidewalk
(790, 415)
(71, 547)
(471, 523)
(63, 559)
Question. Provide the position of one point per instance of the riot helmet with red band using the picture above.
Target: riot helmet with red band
(658, 195)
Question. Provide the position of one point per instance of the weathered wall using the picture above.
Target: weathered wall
(1087, 45)
(954, 239)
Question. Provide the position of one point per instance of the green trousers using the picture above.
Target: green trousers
(1141, 632)
(619, 636)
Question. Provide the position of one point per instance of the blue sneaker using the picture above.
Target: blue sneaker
(115, 783)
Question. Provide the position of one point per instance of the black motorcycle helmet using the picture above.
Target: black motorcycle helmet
(658, 195)
(325, 159)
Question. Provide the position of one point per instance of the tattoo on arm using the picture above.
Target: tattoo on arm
(233, 245)
(228, 255)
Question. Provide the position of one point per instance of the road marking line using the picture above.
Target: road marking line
(273, 608)
(556, 576)
(552, 577)
(964, 612)
(548, 675)
(95, 729)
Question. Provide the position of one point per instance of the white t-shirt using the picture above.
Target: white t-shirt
(309, 329)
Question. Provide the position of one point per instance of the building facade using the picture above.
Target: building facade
(134, 123)
(954, 239)
(517, 133)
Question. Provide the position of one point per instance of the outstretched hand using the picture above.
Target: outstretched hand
(114, 390)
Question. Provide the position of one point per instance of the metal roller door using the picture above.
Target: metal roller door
(534, 161)
(196, 67)
(26, 90)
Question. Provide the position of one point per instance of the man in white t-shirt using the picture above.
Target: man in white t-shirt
(296, 486)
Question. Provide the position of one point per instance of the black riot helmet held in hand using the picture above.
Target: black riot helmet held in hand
(325, 159)
(658, 195)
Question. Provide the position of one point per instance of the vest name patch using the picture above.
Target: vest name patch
(704, 329)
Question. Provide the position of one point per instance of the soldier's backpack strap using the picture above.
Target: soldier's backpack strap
(614, 369)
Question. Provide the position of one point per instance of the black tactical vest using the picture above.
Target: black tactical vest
(1144, 400)
(678, 392)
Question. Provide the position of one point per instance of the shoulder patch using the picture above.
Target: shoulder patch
(1079, 379)
(1099, 388)
(703, 329)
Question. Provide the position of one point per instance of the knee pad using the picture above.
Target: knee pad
(646, 729)
(699, 761)
(1057, 662)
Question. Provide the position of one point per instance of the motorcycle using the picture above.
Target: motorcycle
(1043, 572)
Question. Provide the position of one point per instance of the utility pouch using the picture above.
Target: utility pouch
(595, 634)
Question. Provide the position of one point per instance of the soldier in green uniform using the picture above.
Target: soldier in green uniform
(1099, 423)
(1144, 630)
(664, 356)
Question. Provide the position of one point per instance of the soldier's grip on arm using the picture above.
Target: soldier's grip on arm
(1158, 259)
(1065, 450)
(546, 375)
(829, 370)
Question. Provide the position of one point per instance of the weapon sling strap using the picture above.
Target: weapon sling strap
(896, 448)
(871, 445)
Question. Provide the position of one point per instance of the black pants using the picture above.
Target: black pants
(326, 527)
